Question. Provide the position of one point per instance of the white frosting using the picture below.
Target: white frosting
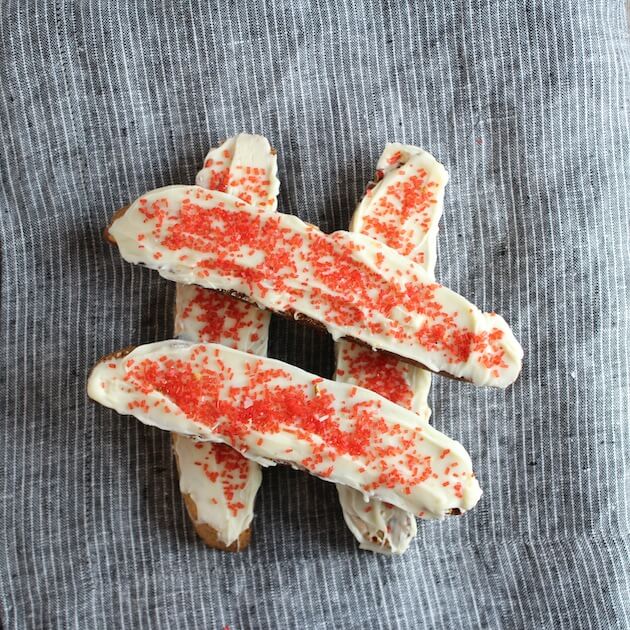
(244, 166)
(205, 315)
(377, 526)
(403, 210)
(207, 238)
(273, 412)
(224, 484)
(394, 154)
(401, 382)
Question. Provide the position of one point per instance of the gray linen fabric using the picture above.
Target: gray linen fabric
(526, 103)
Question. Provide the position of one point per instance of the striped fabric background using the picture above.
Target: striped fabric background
(526, 103)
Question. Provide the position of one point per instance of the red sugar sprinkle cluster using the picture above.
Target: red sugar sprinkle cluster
(232, 471)
(249, 183)
(407, 202)
(158, 211)
(379, 372)
(221, 233)
(219, 173)
(225, 319)
(346, 291)
(219, 180)
(269, 402)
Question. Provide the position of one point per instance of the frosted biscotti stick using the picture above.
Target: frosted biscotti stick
(219, 487)
(350, 284)
(244, 166)
(401, 208)
(272, 412)
(218, 484)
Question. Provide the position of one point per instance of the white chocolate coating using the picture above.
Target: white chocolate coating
(378, 526)
(402, 209)
(350, 283)
(222, 483)
(272, 412)
(400, 382)
(205, 315)
(244, 166)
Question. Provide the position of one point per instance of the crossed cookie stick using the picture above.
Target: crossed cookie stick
(393, 301)
(219, 485)
(401, 208)
(346, 283)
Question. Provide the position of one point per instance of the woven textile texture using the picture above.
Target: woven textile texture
(526, 103)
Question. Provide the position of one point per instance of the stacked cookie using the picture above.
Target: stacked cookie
(230, 409)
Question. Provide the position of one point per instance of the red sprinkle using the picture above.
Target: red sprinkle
(381, 373)
(332, 260)
(267, 402)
